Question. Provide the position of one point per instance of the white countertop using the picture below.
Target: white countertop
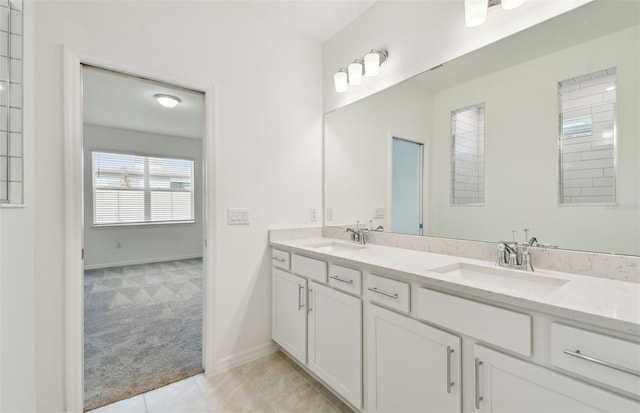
(602, 302)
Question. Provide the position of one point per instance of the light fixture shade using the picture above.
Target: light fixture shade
(475, 12)
(355, 73)
(511, 4)
(168, 101)
(340, 81)
(372, 64)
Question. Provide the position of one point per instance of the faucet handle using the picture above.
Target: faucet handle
(526, 235)
(513, 235)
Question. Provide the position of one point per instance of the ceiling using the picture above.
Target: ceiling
(126, 102)
(319, 20)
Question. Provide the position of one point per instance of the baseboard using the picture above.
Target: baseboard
(244, 357)
(138, 262)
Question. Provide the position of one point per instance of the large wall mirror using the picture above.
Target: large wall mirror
(540, 130)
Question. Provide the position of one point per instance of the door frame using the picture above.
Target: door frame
(73, 233)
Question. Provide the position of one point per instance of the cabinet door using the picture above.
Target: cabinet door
(289, 316)
(335, 340)
(506, 384)
(411, 367)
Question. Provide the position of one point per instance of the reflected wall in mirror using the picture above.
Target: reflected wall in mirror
(574, 185)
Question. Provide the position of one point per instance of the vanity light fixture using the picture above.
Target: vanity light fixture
(475, 11)
(168, 101)
(356, 70)
(372, 62)
(511, 4)
(369, 66)
(341, 80)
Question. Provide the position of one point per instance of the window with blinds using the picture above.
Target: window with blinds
(134, 189)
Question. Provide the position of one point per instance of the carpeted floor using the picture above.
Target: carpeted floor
(142, 328)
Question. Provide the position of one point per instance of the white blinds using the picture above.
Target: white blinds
(141, 189)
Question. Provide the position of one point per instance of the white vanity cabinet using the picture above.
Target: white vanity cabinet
(335, 340)
(318, 325)
(289, 313)
(411, 367)
(507, 384)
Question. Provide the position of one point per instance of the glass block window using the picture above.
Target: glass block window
(11, 154)
(587, 138)
(134, 189)
(467, 155)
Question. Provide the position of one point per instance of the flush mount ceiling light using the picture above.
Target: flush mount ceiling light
(475, 11)
(369, 66)
(168, 101)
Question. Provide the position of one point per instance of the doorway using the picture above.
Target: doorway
(143, 234)
(406, 186)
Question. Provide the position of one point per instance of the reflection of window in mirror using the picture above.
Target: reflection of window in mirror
(587, 141)
(467, 155)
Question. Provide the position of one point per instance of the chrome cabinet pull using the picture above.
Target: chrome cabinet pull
(278, 259)
(449, 382)
(309, 300)
(375, 290)
(342, 280)
(601, 362)
(477, 371)
(300, 305)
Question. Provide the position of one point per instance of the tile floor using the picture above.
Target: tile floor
(272, 384)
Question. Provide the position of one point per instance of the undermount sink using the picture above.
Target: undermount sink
(332, 246)
(514, 280)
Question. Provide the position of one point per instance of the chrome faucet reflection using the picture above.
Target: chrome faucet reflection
(358, 234)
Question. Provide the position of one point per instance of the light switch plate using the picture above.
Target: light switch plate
(378, 213)
(313, 214)
(238, 216)
(329, 214)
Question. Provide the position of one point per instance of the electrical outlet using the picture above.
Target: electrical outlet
(313, 214)
(238, 216)
(329, 214)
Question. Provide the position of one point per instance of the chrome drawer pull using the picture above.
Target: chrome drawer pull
(300, 305)
(449, 382)
(601, 362)
(375, 290)
(278, 259)
(342, 280)
(477, 371)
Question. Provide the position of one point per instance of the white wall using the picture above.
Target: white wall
(521, 152)
(141, 243)
(17, 292)
(357, 152)
(420, 35)
(268, 126)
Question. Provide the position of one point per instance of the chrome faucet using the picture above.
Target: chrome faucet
(508, 254)
(357, 234)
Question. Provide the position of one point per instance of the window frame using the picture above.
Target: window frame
(146, 190)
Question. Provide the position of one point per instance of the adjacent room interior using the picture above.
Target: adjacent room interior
(143, 235)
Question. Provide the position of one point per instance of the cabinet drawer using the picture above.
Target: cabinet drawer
(504, 328)
(309, 267)
(280, 258)
(599, 357)
(345, 279)
(391, 293)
